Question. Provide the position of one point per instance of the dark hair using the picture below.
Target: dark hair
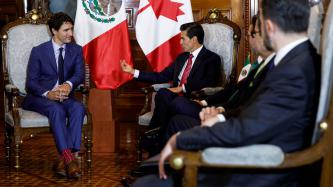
(289, 15)
(259, 25)
(253, 23)
(57, 20)
(194, 29)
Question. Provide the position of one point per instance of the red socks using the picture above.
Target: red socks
(67, 156)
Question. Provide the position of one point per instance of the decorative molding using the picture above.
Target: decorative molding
(130, 17)
(247, 18)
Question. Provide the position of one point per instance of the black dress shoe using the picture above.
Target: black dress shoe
(150, 140)
(126, 182)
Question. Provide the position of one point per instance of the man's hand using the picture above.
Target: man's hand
(210, 122)
(65, 89)
(209, 117)
(208, 112)
(166, 152)
(53, 95)
(198, 102)
(176, 90)
(60, 93)
(126, 67)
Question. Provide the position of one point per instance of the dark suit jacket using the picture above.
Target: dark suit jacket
(234, 105)
(222, 97)
(235, 95)
(281, 112)
(42, 73)
(205, 72)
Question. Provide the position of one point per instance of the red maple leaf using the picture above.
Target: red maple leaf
(166, 8)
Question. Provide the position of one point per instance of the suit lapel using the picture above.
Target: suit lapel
(52, 57)
(180, 66)
(67, 59)
(258, 77)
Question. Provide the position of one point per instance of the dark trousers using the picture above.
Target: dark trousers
(66, 119)
(181, 123)
(168, 104)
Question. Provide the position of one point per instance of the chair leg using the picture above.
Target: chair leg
(190, 176)
(88, 145)
(8, 141)
(138, 151)
(17, 155)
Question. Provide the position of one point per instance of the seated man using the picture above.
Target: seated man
(281, 112)
(55, 68)
(229, 100)
(192, 70)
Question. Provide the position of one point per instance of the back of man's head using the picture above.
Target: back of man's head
(291, 16)
(57, 20)
(194, 29)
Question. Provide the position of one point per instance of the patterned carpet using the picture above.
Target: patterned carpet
(39, 155)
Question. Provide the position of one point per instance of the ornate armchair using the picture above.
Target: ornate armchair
(270, 157)
(18, 38)
(222, 36)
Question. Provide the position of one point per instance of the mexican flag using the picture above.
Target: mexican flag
(101, 29)
(246, 68)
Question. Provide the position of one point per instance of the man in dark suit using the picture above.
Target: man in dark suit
(55, 68)
(192, 70)
(230, 100)
(281, 112)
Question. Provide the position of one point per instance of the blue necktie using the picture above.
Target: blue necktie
(61, 75)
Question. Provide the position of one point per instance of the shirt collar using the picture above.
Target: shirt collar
(196, 52)
(260, 59)
(57, 46)
(286, 49)
(269, 58)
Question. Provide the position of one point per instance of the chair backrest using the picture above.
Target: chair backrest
(326, 73)
(315, 24)
(18, 38)
(222, 36)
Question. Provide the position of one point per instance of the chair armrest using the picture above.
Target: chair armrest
(148, 95)
(82, 89)
(204, 92)
(257, 156)
(12, 90)
(253, 155)
(146, 106)
(159, 86)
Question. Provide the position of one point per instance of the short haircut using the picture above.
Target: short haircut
(194, 29)
(289, 15)
(57, 20)
(259, 25)
(253, 23)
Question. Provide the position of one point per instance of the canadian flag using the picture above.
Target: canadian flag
(158, 29)
(101, 29)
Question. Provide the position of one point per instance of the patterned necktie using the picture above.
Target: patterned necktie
(61, 75)
(186, 71)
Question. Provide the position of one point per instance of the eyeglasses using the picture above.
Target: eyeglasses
(253, 32)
